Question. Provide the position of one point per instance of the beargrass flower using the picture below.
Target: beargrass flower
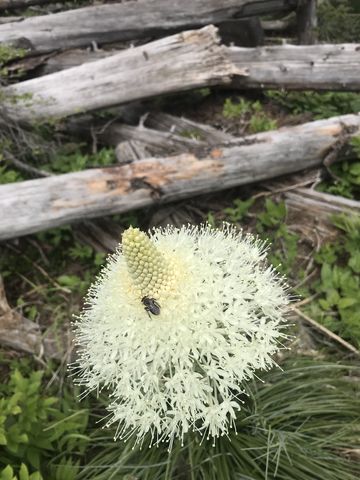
(175, 324)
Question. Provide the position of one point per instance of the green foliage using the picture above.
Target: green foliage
(293, 425)
(258, 120)
(8, 53)
(319, 104)
(7, 175)
(338, 302)
(77, 161)
(338, 21)
(34, 426)
(346, 175)
(7, 473)
(346, 181)
(271, 226)
(239, 211)
(236, 110)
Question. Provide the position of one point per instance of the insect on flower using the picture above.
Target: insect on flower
(151, 305)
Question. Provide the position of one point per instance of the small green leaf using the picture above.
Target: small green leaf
(347, 302)
(23, 472)
(354, 262)
(7, 474)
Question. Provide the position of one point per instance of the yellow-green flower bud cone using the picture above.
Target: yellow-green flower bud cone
(148, 269)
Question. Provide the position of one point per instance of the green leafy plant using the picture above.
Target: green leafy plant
(283, 243)
(76, 161)
(7, 175)
(338, 302)
(345, 179)
(252, 112)
(319, 104)
(34, 426)
(239, 211)
(7, 473)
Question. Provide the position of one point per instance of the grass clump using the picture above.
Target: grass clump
(338, 21)
(299, 424)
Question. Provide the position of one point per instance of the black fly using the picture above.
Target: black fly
(151, 306)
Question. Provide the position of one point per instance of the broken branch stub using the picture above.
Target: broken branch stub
(183, 61)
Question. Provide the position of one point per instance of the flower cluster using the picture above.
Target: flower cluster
(221, 309)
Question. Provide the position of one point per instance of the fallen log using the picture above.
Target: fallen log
(323, 67)
(155, 142)
(129, 20)
(183, 61)
(13, 4)
(124, 76)
(49, 202)
(10, 19)
(322, 205)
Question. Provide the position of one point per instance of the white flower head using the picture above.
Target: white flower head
(175, 324)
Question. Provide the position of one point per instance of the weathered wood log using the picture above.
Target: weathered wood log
(322, 205)
(183, 61)
(13, 4)
(155, 142)
(10, 19)
(279, 25)
(183, 126)
(121, 77)
(130, 20)
(45, 203)
(323, 67)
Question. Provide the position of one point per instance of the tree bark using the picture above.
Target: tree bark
(130, 20)
(36, 205)
(323, 67)
(183, 61)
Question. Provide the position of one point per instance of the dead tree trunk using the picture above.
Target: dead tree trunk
(49, 202)
(129, 20)
(187, 60)
(323, 67)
